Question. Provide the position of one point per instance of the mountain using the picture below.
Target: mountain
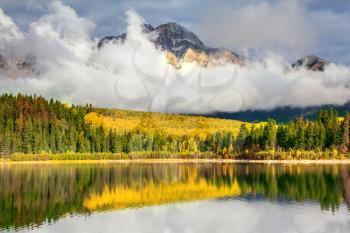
(311, 62)
(182, 45)
(16, 67)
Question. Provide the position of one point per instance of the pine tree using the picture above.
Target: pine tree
(282, 137)
(192, 145)
(28, 137)
(240, 139)
(344, 148)
(269, 135)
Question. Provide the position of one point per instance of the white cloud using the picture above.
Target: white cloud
(136, 75)
(210, 216)
(296, 17)
(8, 30)
(263, 25)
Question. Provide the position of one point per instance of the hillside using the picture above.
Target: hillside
(169, 124)
(280, 114)
(32, 128)
(33, 125)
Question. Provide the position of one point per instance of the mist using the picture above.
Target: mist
(256, 27)
(136, 75)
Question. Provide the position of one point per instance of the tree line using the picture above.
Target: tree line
(33, 125)
(327, 132)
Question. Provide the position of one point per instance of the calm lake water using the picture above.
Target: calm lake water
(179, 197)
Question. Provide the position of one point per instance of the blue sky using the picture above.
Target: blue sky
(292, 27)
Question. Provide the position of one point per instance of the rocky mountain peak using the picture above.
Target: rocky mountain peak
(311, 62)
(183, 45)
(16, 67)
(175, 31)
(177, 39)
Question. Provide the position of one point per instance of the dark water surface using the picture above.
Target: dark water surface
(179, 197)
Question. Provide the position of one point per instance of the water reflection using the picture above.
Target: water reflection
(224, 216)
(33, 194)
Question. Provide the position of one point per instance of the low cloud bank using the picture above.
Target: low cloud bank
(136, 75)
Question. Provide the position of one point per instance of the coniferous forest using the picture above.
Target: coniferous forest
(32, 128)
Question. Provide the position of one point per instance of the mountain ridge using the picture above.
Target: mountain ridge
(183, 45)
(282, 114)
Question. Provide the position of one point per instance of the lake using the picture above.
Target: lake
(174, 197)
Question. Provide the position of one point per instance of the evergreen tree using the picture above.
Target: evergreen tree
(28, 137)
(344, 148)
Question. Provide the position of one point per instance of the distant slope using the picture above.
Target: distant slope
(169, 124)
(34, 126)
(281, 114)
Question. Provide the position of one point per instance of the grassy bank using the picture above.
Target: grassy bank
(242, 156)
(294, 155)
(107, 156)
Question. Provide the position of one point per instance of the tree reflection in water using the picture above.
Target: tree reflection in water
(35, 193)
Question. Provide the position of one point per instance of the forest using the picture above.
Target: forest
(32, 128)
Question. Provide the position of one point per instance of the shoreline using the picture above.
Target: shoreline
(165, 161)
